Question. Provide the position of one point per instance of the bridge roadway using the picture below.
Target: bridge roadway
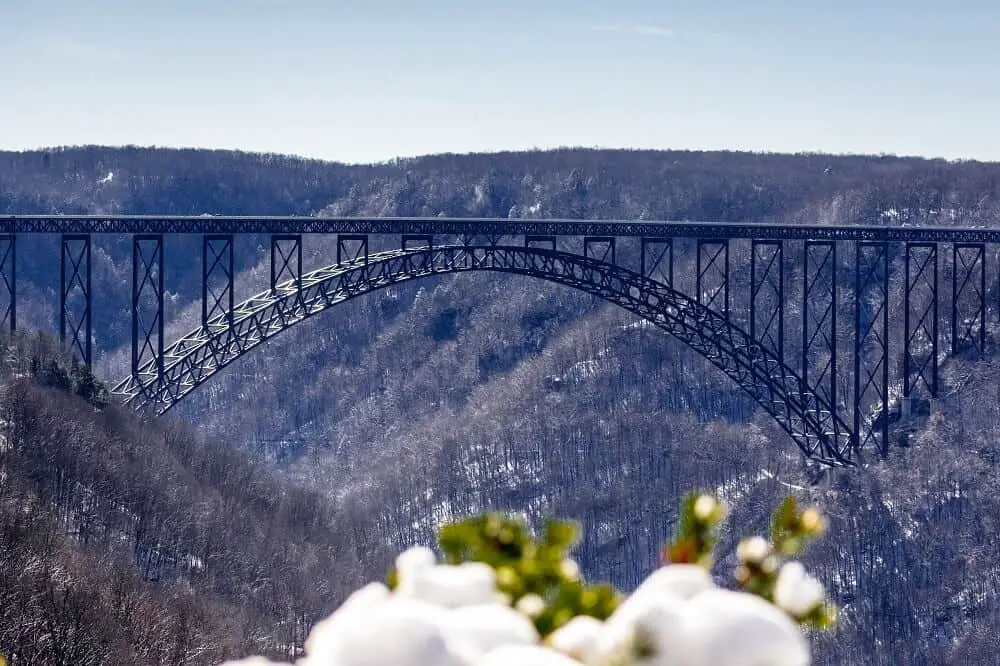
(210, 224)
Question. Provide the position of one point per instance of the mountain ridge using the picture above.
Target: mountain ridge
(433, 399)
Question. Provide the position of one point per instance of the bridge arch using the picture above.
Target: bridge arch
(813, 424)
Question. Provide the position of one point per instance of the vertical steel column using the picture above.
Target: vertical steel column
(819, 319)
(352, 249)
(920, 320)
(147, 305)
(968, 298)
(767, 295)
(286, 260)
(74, 288)
(601, 248)
(8, 280)
(712, 280)
(217, 275)
(286, 267)
(871, 339)
(654, 252)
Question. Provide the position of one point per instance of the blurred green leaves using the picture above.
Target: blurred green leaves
(530, 570)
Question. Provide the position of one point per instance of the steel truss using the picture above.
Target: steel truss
(767, 295)
(75, 303)
(147, 308)
(286, 260)
(920, 320)
(657, 260)
(601, 248)
(286, 267)
(8, 281)
(351, 248)
(808, 418)
(871, 344)
(490, 227)
(217, 275)
(968, 298)
(712, 280)
(816, 372)
(819, 320)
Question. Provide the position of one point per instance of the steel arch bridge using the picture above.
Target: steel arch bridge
(193, 359)
(761, 302)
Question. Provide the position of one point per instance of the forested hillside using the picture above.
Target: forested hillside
(123, 542)
(435, 399)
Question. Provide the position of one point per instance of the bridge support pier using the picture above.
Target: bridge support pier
(601, 248)
(712, 279)
(920, 320)
(968, 298)
(657, 260)
(767, 295)
(8, 281)
(147, 304)
(352, 249)
(819, 319)
(871, 339)
(217, 274)
(286, 266)
(286, 260)
(75, 295)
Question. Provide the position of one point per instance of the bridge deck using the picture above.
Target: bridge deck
(208, 224)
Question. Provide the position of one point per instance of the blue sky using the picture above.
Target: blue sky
(367, 80)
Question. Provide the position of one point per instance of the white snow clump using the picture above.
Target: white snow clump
(452, 615)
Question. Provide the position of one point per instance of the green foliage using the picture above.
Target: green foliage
(696, 532)
(539, 578)
(792, 529)
(53, 368)
(536, 574)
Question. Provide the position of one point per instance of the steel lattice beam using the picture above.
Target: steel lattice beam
(147, 308)
(819, 319)
(75, 302)
(352, 248)
(871, 345)
(8, 281)
(712, 280)
(165, 224)
(657, 260)
(286, 260)
(817, 375)
(601, 248)
(217, 276)
(810, 421)
(767, 295)
(968, 298)
(920, 320)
